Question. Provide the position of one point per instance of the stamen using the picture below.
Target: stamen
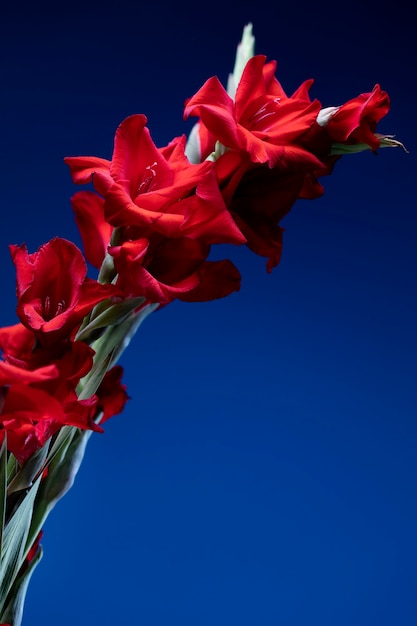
(263, 112)
(147, 182)
(60, 308)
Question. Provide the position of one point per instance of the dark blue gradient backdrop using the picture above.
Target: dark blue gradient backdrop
(264, 471)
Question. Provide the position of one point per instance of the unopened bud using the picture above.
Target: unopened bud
(245, 51)
(325, 115)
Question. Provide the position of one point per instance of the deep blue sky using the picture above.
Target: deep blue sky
(264, 472)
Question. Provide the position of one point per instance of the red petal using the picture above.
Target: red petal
(83, 168)
(136, 161)
(11, 374)
(112, 393)
(95, 231)
(216, 109)
(217, 279)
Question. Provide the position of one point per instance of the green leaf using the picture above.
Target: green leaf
(62, 472)
(13, 610)
(109, 347)
(14, 547)
(62, 475)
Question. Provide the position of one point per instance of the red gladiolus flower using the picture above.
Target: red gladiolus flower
(53, 292)
(356, 120)
(111, 393)
(262, 121)
(262, 198)
(56, 369)
(30, 416)
(157, 189)
(163, 269)
(73, 365)
(259, 197)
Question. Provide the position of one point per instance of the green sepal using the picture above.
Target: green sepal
(29, 471)
(111, 316)
(385, 141)
(107, 271)
(117, 338)
(108, 349)
(90, 383)
(12, 467)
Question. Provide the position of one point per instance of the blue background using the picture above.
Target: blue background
(264, 471)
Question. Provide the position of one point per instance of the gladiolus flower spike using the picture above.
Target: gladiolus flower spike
(148, 223)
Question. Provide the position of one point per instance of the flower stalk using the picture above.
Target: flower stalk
(147, 224)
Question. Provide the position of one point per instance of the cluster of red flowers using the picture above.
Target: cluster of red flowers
(42, 362)
(152, 218)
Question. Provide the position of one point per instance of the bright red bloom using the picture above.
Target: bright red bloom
(356, 120)
(111, 393)
(163, 269)
(157, 189)
(56, 369)
(53, 291)
(258, 197)
(72, 365)
(263, 197)
(262, 121)
(31, 416)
